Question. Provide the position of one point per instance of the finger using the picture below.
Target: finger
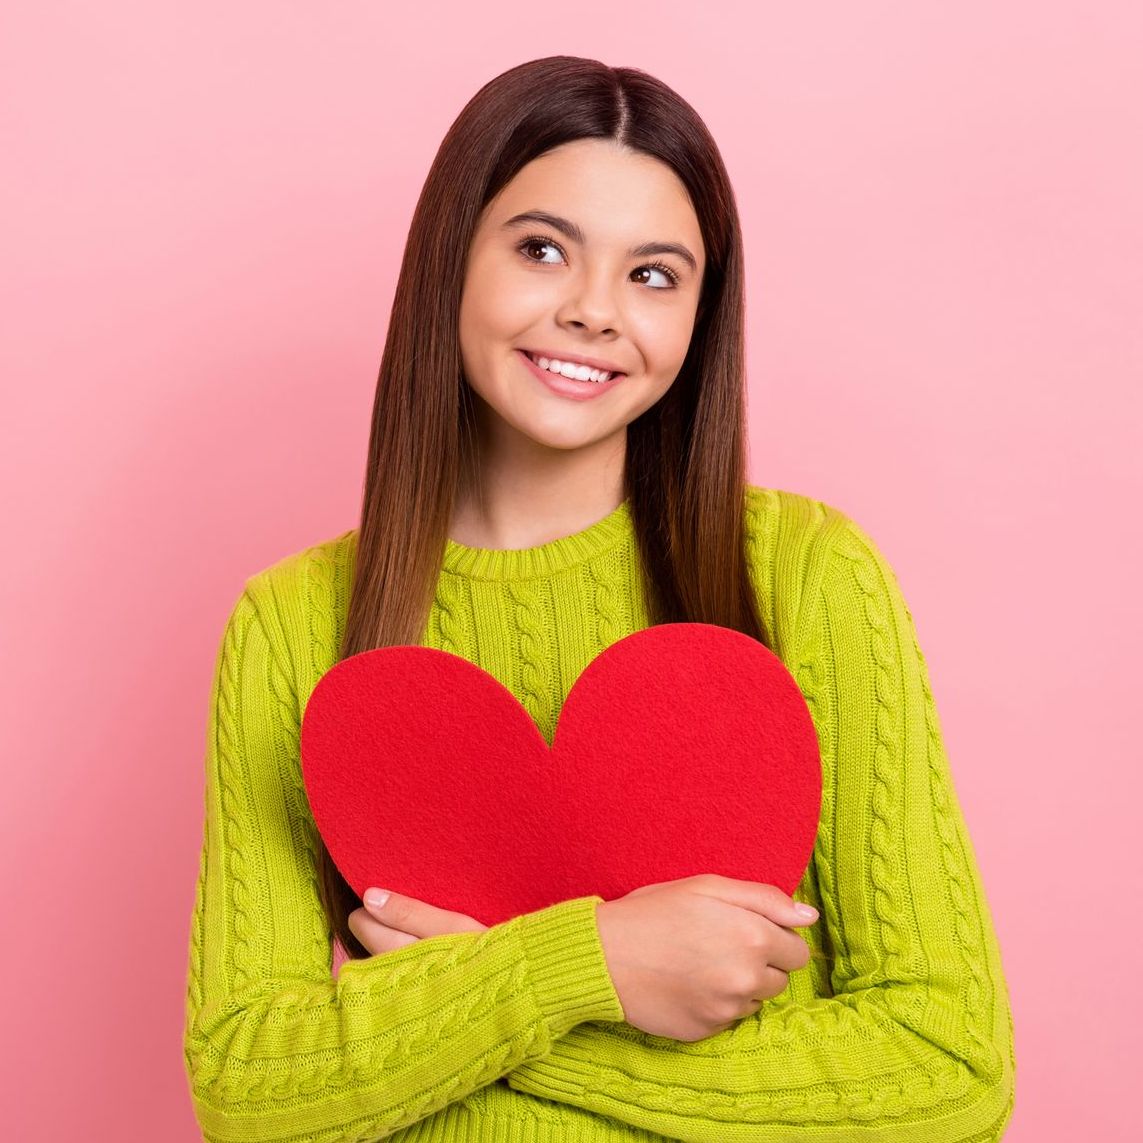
(789, 952)
(375, 936)
(773, 981)
(409, 915)
(761, 897)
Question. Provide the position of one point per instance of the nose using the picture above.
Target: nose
(591, 304)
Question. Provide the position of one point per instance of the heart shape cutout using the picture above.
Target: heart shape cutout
(682, 748)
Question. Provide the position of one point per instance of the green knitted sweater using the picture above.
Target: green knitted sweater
(900, 1033)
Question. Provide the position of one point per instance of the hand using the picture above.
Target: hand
(691, 957)
(401, 920)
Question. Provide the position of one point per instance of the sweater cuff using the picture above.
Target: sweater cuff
(567, 968)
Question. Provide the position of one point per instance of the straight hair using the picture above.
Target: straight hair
(685, 467)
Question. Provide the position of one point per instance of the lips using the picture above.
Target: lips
(567, 387)
(535, 355)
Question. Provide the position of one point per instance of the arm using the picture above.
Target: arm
(275, 1048)
(915, 1043)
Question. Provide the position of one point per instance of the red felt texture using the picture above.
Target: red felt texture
(682, 748)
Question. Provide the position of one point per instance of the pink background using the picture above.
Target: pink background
(204, 207)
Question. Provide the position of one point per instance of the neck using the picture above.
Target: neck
(520, 493)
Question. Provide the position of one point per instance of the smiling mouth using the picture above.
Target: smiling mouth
(604, 376)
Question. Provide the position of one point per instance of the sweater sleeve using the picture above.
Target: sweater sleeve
(277, 1049)
(908, 1038)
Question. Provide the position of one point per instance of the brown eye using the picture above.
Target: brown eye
(663, 269)
(535, 242)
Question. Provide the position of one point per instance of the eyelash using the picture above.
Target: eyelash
(544, 240)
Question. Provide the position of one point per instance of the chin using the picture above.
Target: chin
(564, 437)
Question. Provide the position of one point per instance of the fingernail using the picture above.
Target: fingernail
(376, 897)
(807, 911)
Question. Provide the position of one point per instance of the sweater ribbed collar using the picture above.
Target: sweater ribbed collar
(543, 559)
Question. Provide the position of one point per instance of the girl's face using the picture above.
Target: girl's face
(568, 286)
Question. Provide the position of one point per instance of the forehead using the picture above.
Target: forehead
(613, 195)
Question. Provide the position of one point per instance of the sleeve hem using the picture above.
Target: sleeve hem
(568, 971)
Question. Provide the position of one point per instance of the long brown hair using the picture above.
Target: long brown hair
(685, 469)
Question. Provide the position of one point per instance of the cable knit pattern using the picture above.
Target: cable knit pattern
(447, 606)
(515, 1034)
(321, 618)
(759, 520)
(887, 792)
(535, 672)
(235, 813)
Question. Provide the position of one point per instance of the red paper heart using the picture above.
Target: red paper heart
(682, 748)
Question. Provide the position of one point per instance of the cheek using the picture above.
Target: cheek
(493, 321)
(666, 343)
(477, 333)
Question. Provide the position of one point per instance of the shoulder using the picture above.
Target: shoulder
(788, 524)
(300, 601)
(295, 573)
(793, 544)
(785, 516)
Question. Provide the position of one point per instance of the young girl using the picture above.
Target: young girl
(557, 459)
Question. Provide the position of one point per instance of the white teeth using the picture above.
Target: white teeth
(570, 370)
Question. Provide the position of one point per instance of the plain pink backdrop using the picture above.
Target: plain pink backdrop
(204, 208)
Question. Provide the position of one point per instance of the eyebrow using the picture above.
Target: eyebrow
(570, 230)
